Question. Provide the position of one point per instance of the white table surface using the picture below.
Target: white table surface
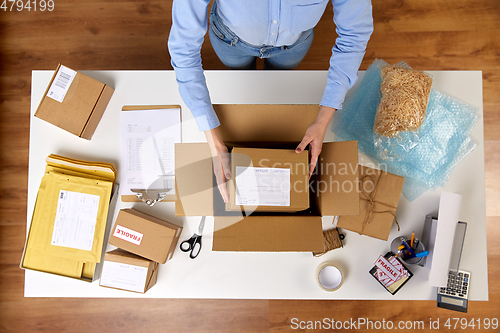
(259, 275)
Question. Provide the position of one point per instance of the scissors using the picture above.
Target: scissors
(191, 244)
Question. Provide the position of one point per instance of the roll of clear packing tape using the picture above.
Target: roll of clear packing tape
(329, 276)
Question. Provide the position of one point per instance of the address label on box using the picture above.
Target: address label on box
(61, 83)
(128, 235)
(124, 276)
(262, 186)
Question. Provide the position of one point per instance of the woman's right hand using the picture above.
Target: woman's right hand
(220, 161)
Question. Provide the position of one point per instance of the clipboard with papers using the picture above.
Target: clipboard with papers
(148, 137)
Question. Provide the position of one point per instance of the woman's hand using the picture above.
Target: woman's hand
(220, 161)
(314, 136)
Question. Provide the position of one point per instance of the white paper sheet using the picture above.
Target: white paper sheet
(147, 149)
(262, 186)
(123, 276)
(448, 217)
(61, 83)
(75, 221)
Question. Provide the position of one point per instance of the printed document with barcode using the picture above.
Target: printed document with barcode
(61, 83)
(147, 149)
(262, 186)
(75, 221)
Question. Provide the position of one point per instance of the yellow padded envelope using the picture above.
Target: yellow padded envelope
(67, 229)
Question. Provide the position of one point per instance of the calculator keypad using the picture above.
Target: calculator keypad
(458, 285)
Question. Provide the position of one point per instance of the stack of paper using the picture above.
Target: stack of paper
(67, 229)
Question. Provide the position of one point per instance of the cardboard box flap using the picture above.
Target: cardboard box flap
(97, 113)
(119, 255)
(264, 123)
(194, 179)
(336, 180)
(268, 234)
(151, 218)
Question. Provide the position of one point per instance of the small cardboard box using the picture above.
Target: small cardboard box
(145, 235)
(74, 102)
(332, 189)
(280, 175)
(126, 271)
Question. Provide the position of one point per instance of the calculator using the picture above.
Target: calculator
(456, 293)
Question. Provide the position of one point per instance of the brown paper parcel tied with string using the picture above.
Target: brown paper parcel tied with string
(379, 193)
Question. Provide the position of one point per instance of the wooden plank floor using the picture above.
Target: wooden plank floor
(132, 34)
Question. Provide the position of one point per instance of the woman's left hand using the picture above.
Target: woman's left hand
(314, 136)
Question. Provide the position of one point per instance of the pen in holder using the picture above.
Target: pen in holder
(401, 248)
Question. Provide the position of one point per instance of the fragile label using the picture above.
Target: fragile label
(61, 83)
(390, 270)
(128, 235)
(387, 268)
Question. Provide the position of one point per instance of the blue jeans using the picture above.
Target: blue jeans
(238, 54)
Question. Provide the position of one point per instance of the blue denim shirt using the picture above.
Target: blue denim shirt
(266, 22)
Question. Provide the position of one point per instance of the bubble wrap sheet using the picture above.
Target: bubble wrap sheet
(444, 135)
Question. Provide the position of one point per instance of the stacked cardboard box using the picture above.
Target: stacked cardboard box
(145, 241)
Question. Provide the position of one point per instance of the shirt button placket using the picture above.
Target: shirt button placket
(274, 29)
(274, 11)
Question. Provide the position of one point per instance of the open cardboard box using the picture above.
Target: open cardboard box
(332, 191)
